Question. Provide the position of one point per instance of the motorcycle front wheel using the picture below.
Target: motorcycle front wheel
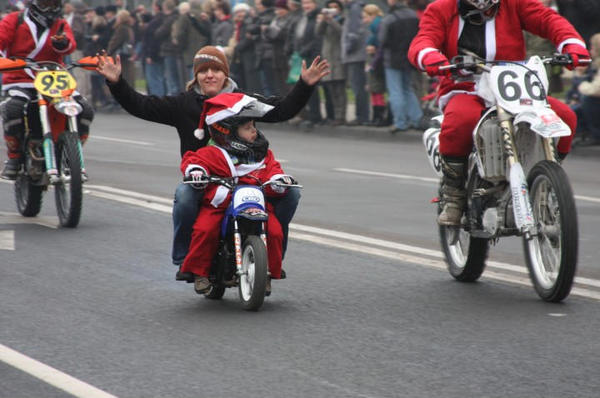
(28, 196)
(69, 190)
(551, 254)
(253, 281)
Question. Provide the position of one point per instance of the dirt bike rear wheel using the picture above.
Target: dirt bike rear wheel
(551, 255)
(28, 196)
(253, 281)
(69, 191)
(465, 255)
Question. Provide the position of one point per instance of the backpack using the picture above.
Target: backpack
(401, 31)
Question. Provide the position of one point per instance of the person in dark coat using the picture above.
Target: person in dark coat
(184, 110)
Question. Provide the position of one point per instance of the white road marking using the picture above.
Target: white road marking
(15, 218)
(121, 140)
(428, 179)
(50, 375)
(7, 240)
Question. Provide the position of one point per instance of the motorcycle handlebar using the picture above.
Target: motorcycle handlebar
(475, 64)
(228, 182)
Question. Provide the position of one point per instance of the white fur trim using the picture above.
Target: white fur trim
(18, 84)
(490, 39)
(220, 196)
(570, 41)
(443, 101)
(422, 54)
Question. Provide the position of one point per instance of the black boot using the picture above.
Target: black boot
(11, 169)
(454, 194)
(379, 116)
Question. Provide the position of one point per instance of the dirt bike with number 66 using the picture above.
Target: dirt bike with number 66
(515, 183)
(52, 156)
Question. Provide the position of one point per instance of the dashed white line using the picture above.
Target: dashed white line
(121, 140)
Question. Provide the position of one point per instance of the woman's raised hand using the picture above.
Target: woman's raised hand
(318, 69)
(111, 71)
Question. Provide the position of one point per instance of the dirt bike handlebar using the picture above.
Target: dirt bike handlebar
(477, 65)
(14, 64)
(229, 183)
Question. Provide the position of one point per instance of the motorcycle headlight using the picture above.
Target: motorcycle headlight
(69, 108)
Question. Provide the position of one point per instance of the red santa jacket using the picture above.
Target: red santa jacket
(19, 38)
(216, 161)
(441, 25)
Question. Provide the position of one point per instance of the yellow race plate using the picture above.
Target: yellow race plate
(52, 83)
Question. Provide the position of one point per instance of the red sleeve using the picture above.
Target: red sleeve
(209, 158)
(547, 23)
(8, 28)
(432, 32)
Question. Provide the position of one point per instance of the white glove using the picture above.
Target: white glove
(196, 174)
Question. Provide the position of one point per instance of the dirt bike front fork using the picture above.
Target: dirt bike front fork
(518, 183)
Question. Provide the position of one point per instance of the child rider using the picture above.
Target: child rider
(238, 150)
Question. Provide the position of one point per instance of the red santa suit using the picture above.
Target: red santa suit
(19, 38)
(205, 236)
(440, 29)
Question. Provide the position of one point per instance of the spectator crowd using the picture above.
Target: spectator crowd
(266, 43)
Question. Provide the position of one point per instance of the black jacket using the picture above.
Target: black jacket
(183, 111)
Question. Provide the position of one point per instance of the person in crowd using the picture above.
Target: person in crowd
(371, 17)
(155, 71)
(308, 45)
(222, 28)
(265, 10)
(74, 15)
(240, 150)
(277, 33)
(190, 31)
(96, 31)
(588, 106)
(491, 29)
(582, 14)
(121, 43)
(244, 53)
(354, 56)
(110, 15)
(183, 111)
(329, 28)
(397, 30)
(167, 51)
(18, 38)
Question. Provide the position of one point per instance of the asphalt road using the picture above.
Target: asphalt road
(367, 311)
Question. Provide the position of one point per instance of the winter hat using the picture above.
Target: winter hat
(225, 105)
(241, 7)
(210, 57)
(281, 4)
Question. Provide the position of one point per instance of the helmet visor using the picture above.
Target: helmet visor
(48, 5)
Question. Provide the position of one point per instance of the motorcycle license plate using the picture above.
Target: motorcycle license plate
(54, 83)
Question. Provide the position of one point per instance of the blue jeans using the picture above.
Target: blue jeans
(155, 78)
(186, 206)
(403, 100)
(172, 75)
(355, 72)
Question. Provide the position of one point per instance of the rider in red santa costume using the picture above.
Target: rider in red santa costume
(39, 33)
(493, 30)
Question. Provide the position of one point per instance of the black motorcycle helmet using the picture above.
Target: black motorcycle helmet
(478, 12)
(224, 134)
(45, 12)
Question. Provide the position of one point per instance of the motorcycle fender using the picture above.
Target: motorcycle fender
(431, 141)
(520, 197)
(246, 196)
(545, 122)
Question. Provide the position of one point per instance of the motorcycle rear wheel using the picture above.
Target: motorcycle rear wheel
(465, 255)
(69, 191)
(253, 281)
(28, 196)
(551, 255)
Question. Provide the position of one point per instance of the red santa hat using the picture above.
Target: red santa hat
(226, 105)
